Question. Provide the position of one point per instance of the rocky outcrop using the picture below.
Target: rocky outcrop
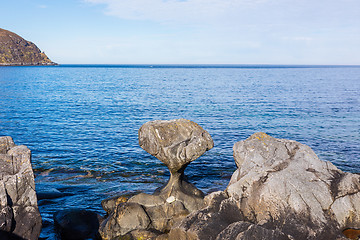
(14, 50)
(281, 190)
(176, 143)
(19, 213)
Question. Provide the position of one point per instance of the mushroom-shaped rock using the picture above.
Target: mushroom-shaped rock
(176, 142)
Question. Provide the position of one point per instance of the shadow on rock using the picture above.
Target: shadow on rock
(77, 224)
(176, 143)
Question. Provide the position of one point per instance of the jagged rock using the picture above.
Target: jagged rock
(207, 223)
(77, 224)
(176, 143)
(110, 204)
(247, 231)
(126, 218)
(19, 213)
(140, 234)
(281, 190)
(282, 184)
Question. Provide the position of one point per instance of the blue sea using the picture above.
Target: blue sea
(81, 121)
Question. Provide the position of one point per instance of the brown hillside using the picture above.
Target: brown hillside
(14, 50)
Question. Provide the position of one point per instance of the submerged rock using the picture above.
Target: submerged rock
(176, 143)
(281, 190)
(77, 224)
(19, 213)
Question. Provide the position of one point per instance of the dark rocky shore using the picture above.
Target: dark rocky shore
(16, 51)
(280, 190)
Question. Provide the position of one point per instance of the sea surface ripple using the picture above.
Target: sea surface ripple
(81, 122)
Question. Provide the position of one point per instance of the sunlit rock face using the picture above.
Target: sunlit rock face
(176, 143)
(19, 213)
(281, 190)
(283, 183)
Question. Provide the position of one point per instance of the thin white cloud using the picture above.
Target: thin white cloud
(240, 31)
(299, 38)
(238, 11)
(174, 10)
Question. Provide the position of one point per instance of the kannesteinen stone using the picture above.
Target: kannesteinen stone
(19, 213)
(176, 143)
(281, 190)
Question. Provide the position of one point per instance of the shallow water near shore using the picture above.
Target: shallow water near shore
(81, 122)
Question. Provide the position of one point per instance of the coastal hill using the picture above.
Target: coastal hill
(14, 50)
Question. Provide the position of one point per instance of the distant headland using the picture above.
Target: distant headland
(16, 51)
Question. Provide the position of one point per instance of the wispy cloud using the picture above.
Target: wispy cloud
(255, 11)
(174, 10)
(235, 30)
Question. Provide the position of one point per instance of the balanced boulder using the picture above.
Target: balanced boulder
(176, 143)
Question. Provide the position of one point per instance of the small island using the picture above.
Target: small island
(16, 51)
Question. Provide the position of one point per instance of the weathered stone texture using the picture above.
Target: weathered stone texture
(279, 182)
(176, 143)
(19, 214)
(281, 190)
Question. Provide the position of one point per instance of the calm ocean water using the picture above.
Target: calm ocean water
(81, 122)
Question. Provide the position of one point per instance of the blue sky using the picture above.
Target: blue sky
(189, 31)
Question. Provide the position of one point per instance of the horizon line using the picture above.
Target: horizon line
(209, 64)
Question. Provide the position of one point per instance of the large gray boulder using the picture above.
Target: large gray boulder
(282, 184)
(19, 213)
(176, 143)
(281, 190)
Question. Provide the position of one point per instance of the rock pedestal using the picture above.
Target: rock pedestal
(176, 143)
(19, 213)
